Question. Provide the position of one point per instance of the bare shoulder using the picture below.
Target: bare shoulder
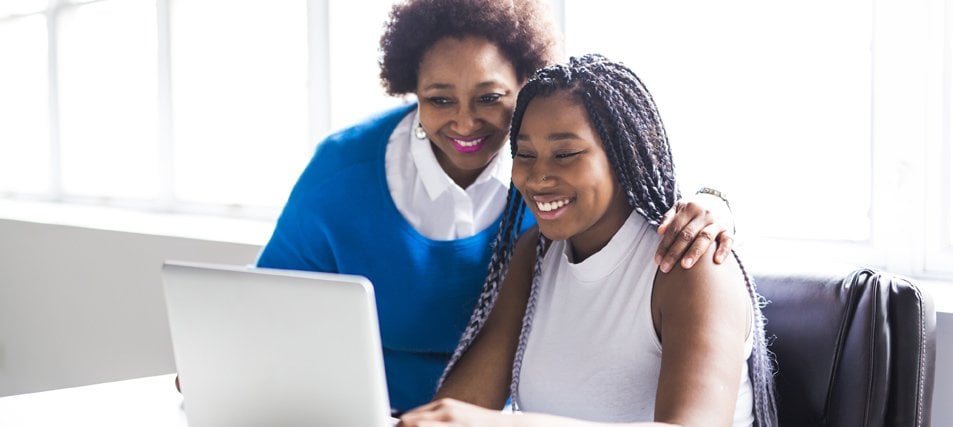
(702, 317)
(704, 287)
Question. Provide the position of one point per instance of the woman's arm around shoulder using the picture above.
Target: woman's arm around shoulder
(702, 316)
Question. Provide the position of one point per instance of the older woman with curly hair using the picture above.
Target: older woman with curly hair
(412, 198)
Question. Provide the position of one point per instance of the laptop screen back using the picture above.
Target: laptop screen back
(260, 347)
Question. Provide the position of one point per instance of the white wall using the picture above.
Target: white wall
(82, 306)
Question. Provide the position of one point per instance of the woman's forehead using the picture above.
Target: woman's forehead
(466, 62)
(557, 116)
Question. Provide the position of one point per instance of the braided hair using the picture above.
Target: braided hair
(624, 115)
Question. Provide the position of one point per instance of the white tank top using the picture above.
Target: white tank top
(592, 352)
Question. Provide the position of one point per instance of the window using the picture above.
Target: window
(773, 113)
(828, 123)
(21, 7)
(106, 79)
(939, 188)
(25, 156)
(199, 105)
(947, 197)
(355, 32)
(832, 113)
(239, 100)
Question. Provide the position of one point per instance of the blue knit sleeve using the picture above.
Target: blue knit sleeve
(303, 239)
(299, 241)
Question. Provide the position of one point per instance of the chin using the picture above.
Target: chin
(553, 233)
(473, 162)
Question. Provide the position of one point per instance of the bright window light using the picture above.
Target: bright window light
(215, 106)
(948, 197)
(107, 74)
(769, 101)
(21, 7)
(24, 135)
(239, 80)
(355, 33)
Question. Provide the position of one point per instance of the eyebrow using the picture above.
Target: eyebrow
(450, 86)
(559, 136)
(562, 136)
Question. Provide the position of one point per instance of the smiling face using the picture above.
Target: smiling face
(467, 91)
(563, 173)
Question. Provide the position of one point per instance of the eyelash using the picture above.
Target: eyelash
(489, 99)
(568, 155)
(440, 101)
(558, 156)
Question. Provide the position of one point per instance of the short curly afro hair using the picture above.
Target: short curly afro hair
(522, 29)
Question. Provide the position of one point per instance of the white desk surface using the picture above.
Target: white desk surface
(140, 402)
(149, 401)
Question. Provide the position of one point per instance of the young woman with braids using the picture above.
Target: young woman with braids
(598, 334)
(412, 198)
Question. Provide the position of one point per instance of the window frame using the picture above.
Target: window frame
(938, 245)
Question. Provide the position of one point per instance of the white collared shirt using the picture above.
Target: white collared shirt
(426, 196)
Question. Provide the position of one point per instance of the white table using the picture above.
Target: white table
(149, 401)
(140, 402)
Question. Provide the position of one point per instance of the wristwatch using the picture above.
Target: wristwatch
(716, 193)
(724, 198)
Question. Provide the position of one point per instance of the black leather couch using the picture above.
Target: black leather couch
(853, 348)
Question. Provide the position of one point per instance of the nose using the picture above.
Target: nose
(465, 122)
(540, 176)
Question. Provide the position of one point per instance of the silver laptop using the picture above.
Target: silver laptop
(257, 347)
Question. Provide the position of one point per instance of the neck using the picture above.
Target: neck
(462, 177)
(587, 243)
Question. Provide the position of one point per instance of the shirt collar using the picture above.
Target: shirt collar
(436, 181)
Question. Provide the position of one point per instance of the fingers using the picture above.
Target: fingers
(726, 240)
(667, 219)
(422, 418)
(683, 240)
(430, 406)
(688, 231)
(422, 423)
(700, 245)
(436, 413)
(451, 413)
(671, 224)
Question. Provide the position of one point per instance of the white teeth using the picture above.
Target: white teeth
(468, 143)
(551, 206)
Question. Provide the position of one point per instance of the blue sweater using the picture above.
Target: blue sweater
(340, 218)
